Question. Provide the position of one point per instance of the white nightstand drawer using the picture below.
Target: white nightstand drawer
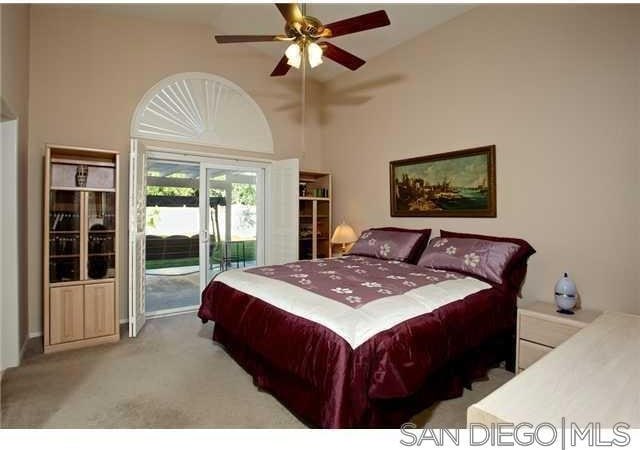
(545, 332)
(530, 353)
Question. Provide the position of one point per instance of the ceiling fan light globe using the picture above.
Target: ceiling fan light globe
(315, 62)
(295, 61)
(293, 52)
(314, 52)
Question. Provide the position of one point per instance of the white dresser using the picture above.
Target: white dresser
(594, 376)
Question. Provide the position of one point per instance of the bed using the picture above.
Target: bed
(359, 341)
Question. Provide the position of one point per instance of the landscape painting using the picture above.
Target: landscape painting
(454, 184)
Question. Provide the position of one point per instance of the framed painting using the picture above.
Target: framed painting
(453, 184)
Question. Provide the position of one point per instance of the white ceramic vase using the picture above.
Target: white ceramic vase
(566, 294)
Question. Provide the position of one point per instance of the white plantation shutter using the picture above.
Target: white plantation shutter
(137, 222)
(202, 109)
(282, 212)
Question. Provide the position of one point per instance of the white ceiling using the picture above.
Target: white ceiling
(407, 21)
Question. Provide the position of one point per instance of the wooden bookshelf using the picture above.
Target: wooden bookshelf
(315, 215)
(80, 252)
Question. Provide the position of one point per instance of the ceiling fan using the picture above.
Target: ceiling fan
(304, 31)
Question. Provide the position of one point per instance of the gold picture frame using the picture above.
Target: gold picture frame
(452, 184)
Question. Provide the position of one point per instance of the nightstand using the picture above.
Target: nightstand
(541, 329)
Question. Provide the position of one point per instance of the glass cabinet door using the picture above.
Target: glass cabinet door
(101, 232)
(64, 236)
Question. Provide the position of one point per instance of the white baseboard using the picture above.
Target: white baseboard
(23, 349)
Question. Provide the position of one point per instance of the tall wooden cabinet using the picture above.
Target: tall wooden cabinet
(315, 215)
(80, 248)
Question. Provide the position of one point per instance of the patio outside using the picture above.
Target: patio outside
(172, 232)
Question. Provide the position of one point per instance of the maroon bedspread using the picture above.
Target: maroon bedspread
(318, 376)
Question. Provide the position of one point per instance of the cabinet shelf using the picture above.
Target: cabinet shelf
(326, 199)
(81, 189)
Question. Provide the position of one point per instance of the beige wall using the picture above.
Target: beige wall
(556, 89)
(14, 90)
(88, 73)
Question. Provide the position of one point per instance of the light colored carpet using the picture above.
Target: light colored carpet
(172, 376)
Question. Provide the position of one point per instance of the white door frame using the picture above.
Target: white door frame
(9, 305)
(202, 158)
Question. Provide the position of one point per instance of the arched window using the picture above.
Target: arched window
(202, 109)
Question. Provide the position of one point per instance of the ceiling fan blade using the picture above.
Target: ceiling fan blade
(356, 24)
(341, 56)
(281, 68)
(233, 39)
(291, 12)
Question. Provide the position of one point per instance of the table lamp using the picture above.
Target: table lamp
(344, 235)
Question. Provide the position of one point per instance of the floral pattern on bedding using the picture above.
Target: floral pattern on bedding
(355, 280)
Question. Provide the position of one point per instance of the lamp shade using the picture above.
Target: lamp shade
(344, 234)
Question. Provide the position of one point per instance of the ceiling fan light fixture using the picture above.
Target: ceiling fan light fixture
(294, 55)
(293, 51)
(314, 52)
(295, 61)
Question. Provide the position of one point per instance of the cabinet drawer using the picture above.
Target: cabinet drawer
(528, 353)
(66, 316)
(99, 310)
(545, 332)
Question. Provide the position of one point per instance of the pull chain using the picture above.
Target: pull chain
(303, 110)
(304, 101)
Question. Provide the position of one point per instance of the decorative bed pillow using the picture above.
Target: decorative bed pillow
(392, 243)
(516, 270)
(477, 257)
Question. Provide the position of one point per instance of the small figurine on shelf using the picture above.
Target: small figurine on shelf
(566, 295)
(82, 172)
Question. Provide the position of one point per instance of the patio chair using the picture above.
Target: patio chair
(233, 252)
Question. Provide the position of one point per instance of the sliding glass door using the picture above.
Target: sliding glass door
(199, 217)
(178, 197)
(232, 218)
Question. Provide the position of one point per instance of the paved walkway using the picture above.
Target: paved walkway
(174, 287)
(172, 291)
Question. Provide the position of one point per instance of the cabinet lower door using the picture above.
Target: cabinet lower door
(66, 314)
(99, 310)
